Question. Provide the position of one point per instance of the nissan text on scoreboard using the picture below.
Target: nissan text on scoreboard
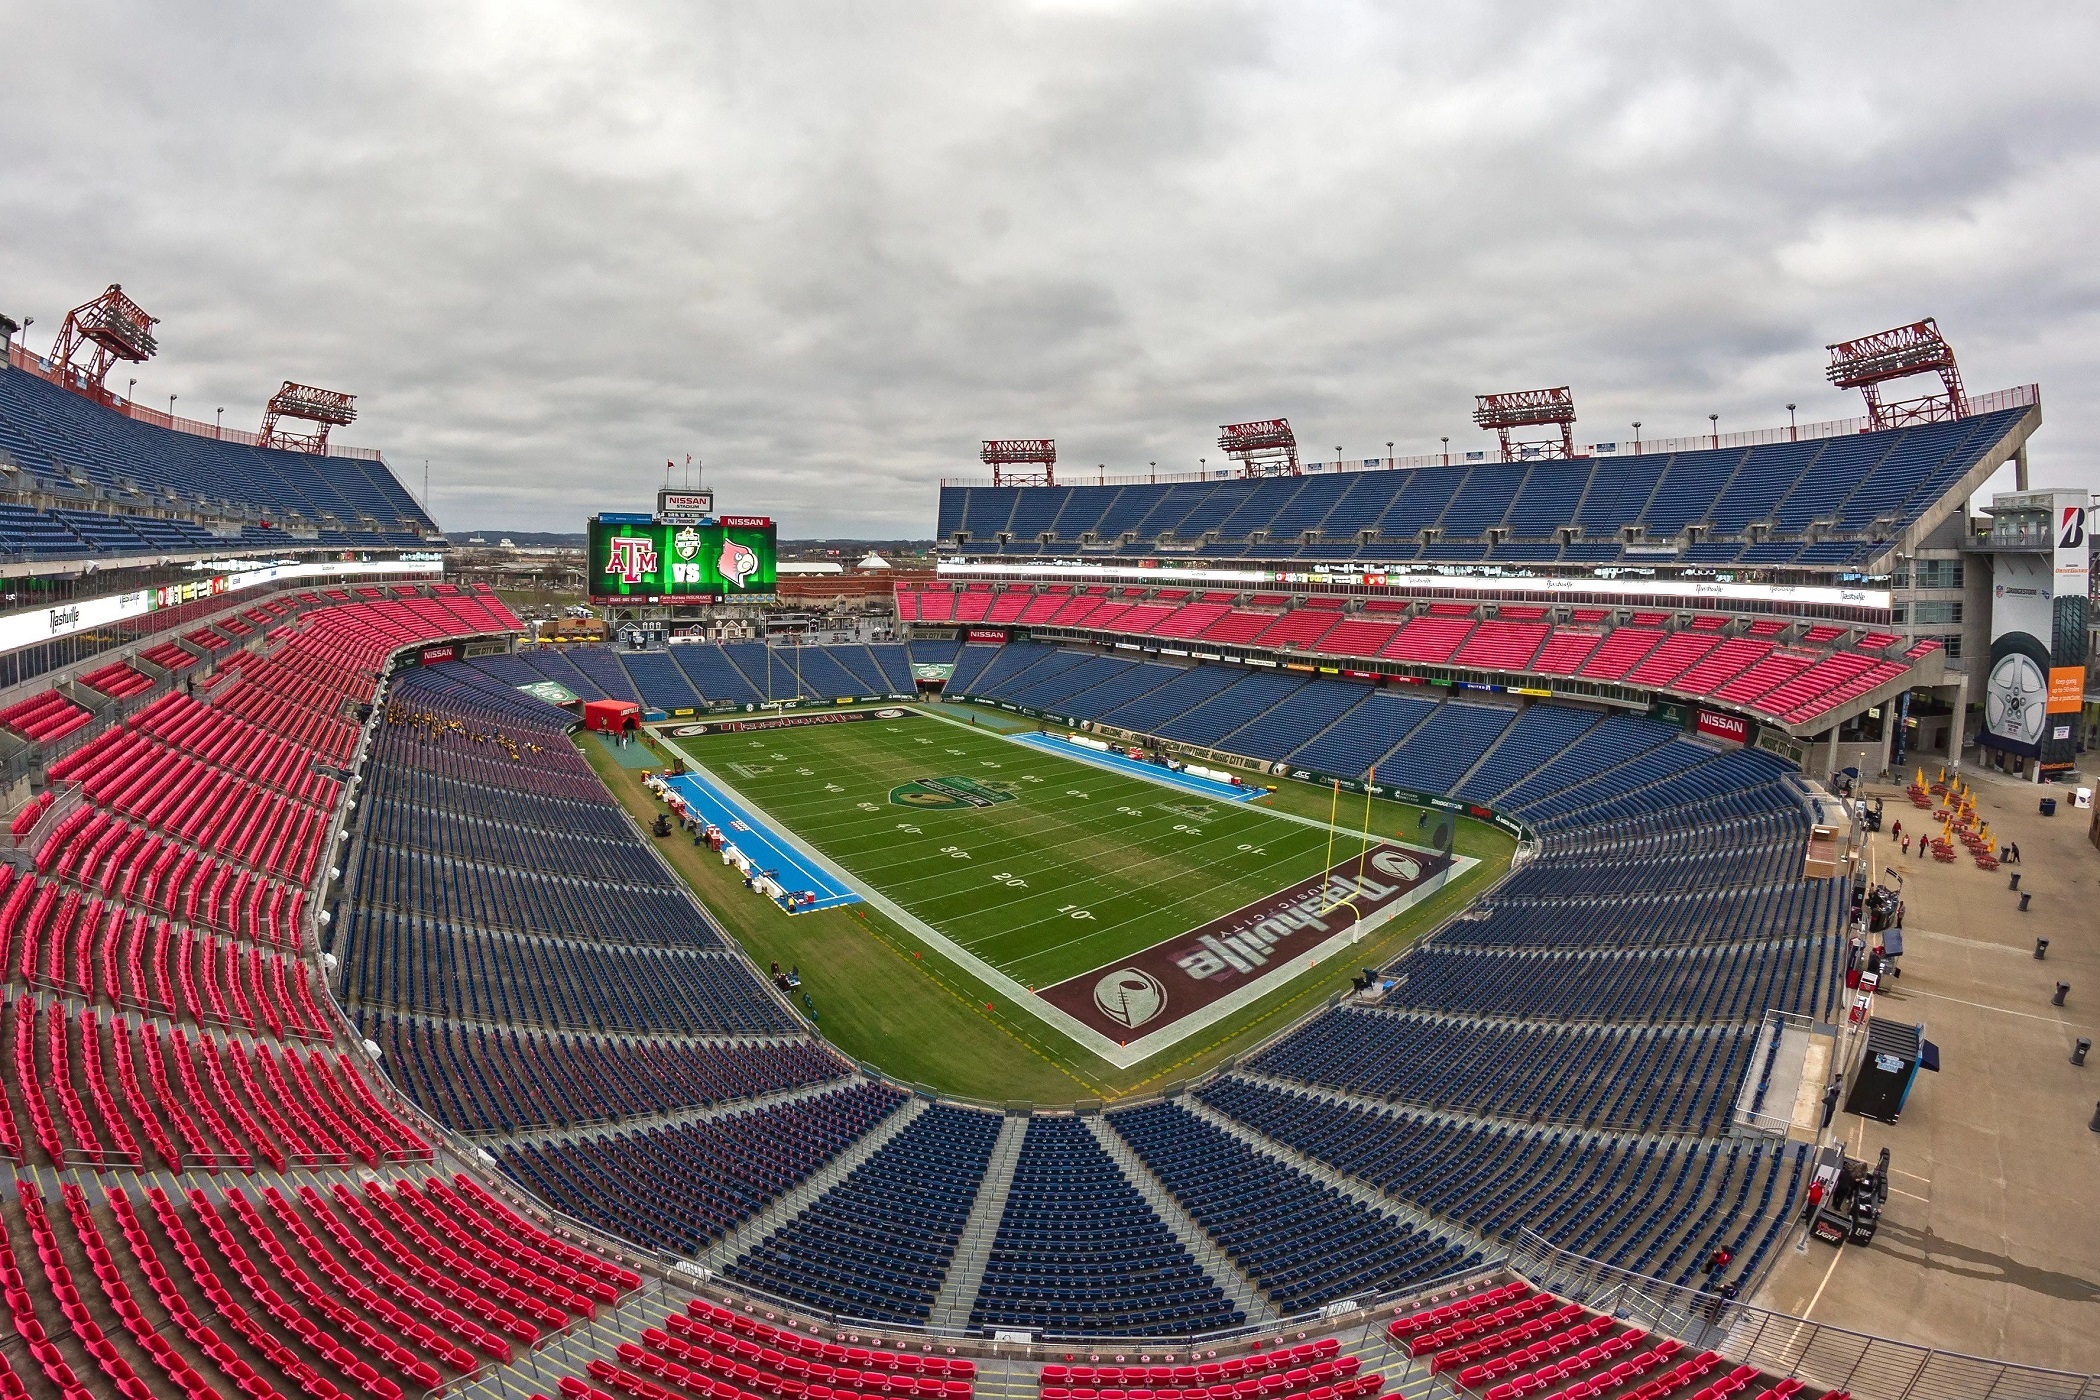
(697, 559)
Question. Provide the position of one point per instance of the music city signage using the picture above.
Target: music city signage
(1195, 977)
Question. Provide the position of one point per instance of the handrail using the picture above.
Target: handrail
(21, 357)
(1871, 1368)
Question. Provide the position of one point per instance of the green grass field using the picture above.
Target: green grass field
(1070, 866)
(881, 994)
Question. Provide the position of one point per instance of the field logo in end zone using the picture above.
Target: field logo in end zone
(1130, 996)
(1179, 976)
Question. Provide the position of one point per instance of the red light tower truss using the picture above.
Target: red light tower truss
(1871, 361)
(116, 327)
(1267, 448)
(1021, 461)
(323, 407)
(1529, 408)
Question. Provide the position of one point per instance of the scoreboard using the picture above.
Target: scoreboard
(696, 559)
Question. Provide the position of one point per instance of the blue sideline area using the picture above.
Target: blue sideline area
(1150, 772)
(762, 846)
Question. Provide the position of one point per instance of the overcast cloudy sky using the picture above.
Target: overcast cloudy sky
(827, 247)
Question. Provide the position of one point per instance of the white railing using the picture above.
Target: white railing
(1835, 1358)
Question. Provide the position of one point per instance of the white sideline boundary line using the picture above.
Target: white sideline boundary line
(1127, 768)
(1122, 1056)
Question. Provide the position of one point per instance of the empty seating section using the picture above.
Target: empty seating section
(1618, 652)
(1699, 659)
(1449, 742)
(1611, 988)
(483, 1079)
(410, 962)
(681, 1185)
(292, 1290)
(1642, 1078)
(1658, 1206)
(1561, 1059)
(1614, 740)
(1302, 1240)
(1079, 1250)
(879, 1244)
(1729, 982)
(45, 717)
(55, 436)
(1501, 1341)
(156, 1020)
(495, 879)
(707, 1350)
(715, 678)
(1283, 729)
(1537, 736)
(1428, 639)
(169, 657)
(660, 681)
(1502, 646)
(1300, 1372)
(185, 1099)
(1856, 491)
(602, 666)
(1358, 741)
(117, 680)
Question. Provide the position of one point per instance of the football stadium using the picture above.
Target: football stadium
(1310, 929)
(1578, 914)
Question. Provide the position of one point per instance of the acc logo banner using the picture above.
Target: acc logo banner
(738, 562)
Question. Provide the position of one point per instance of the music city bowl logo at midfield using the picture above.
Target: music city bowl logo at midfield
(738, 562)
(1130, 996)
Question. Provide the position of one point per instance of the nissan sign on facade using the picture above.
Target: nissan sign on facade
(1719, 726)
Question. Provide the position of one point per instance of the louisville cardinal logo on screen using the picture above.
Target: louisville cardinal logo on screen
(738, 563)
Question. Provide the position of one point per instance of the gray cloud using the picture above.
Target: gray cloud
(827, 247)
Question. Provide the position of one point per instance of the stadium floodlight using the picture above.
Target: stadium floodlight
(1529, 408)
(1266, 448)
(117, 329)
(1021, 461)
(325, 408)
(1871, 361)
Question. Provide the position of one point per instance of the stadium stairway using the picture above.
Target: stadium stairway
(1349, 1186)
(1239, 1286)
(783, 1210)
(951, 1306)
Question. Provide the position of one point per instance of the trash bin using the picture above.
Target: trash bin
(2048, 806)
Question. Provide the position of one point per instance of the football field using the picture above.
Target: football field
(1126, 909)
